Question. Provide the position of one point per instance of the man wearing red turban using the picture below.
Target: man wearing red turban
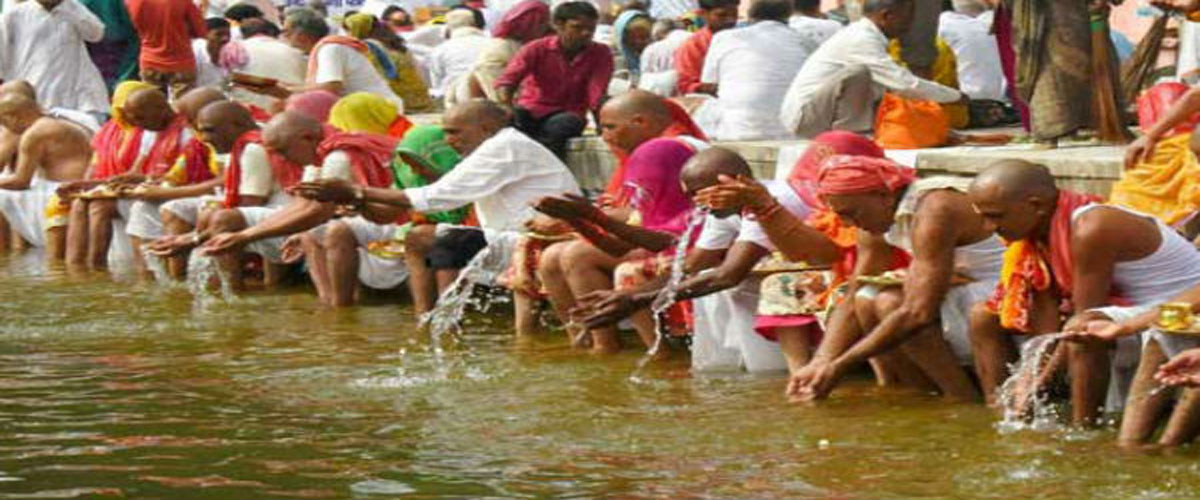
(923, 317)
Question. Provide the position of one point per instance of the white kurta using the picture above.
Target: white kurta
(503, 177)
(47, 50)
(752, 67)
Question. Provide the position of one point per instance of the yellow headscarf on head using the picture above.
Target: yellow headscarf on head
(360, 25)
(121, 94)
(363, 112)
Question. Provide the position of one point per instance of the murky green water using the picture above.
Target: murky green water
(112, 390)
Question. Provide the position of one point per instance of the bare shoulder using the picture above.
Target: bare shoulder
(1113, 226)
(945, 209)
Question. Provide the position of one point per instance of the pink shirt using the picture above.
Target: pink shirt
(550, 83)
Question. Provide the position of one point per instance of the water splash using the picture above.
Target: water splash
(666, 297)
(1024, 411)
(202, 270)
(483, 269)
(155, 265)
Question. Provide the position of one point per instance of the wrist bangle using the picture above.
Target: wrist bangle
(197, 238)
(765, 212)
(360, 197)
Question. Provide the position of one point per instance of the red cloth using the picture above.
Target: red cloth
(846, 174)
(197, 157)
(1059, 252)
(259, 115)
(286, 173)
(116, 149)
(370, 155)
(803, 177)
(682, 125)
(1154, 103)
(166, 29)
(689, 60)
(550, 83)
(168, 145)
(347, 41)
(524, 21)
(1025, 266)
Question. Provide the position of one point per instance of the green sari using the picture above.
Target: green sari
(425, 147)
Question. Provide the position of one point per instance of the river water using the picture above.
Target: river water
(126, 390)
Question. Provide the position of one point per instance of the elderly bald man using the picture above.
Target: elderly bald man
(361, 160)
(218, 126)
(1095, 253)
(502, 173)
(194, 171)
(90, 229)
(49, 152)
(626, 122)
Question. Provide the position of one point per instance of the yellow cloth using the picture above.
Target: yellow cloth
(359, 25)
(177, 175)
(120, 95)
(363, 112)
(408, 84)
(1166, 186)
(56, 213)
(945, 72)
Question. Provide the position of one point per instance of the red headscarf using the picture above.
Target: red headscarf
(286, 173)
(523, 21)
(370, 155)
(803, 178)
(314, 103)
(845, 174)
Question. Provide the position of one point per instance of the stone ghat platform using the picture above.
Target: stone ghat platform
(1086, 168)
(1091, 169)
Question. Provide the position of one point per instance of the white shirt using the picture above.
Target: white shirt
(672, 9)
(660, 55)
(860, 43)
(207, 73)
(752, 67)
(455, 58)
(980, 74)
(270, 58)
(257, 178)
(502, 177)
(47, 50)
(720, 234)
(339, 63)
(815, 31)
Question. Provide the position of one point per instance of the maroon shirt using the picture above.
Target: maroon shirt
(550, 83)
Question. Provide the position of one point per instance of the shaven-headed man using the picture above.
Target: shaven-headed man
(49, 152)
(1094, 253)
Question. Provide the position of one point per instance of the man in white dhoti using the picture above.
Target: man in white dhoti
(42, 42)
(49, 151)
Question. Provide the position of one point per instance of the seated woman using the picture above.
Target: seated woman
(645, 242)
(392, 60)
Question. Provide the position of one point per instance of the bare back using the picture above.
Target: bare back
(8, 149)
(60, 150)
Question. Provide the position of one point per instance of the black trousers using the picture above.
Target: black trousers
(552, 130)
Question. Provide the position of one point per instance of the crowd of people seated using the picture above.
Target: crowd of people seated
(387, 148)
